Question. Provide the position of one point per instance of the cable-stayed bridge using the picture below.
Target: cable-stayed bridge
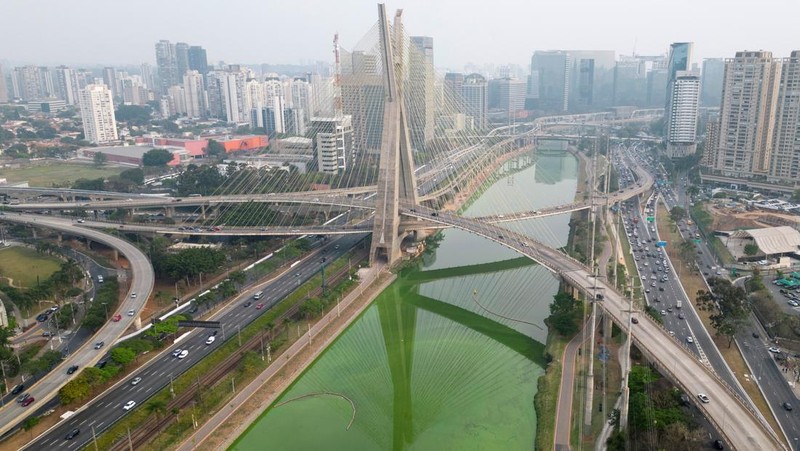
(398, 156)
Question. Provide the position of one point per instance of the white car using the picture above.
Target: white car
(210, 340)
(704, 398)
(129, 405)
(773, 350)
(131, 312)
(689, 339)
(183, 354)
(136, 380)
(133, 295)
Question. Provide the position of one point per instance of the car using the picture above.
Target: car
(210, 340)
(116, 318)
(689, 339)
(259, 306)
(787, 406)
(23, 397)
(183, 354)
(99, 344)
(773, 350)
(177, 352)
(133, 295)
(634, 320)
(703, 398)
(663, 313)
(756, 335)
(129, 405)
(131, 312)
(247, 304)
(43, 317)
(671, 333)
(81, 221)
(72, 434)
(72, 369)
(28, 401)
(717, 444)
(136, 380)
(660, 288)
(669, 309)
(18, 389)
(680, 315)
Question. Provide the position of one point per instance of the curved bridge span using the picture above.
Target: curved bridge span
(731, 415)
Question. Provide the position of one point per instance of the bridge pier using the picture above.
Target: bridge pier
(169, 212)
(203, 212)
(35, 234)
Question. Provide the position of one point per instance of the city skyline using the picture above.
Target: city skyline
(621, 25)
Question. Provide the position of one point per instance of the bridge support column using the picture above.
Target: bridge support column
(35, 234)
(203, 212)
(60, 237)
(169, 212)
(137, 323)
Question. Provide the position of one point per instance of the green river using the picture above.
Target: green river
(437, 362)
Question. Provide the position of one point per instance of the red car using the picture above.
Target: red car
(259, 306)
(116, 317)
(28, 401)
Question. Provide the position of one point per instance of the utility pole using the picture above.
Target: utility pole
(587, 415)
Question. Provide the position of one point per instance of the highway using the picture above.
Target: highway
(142, 284)
(106, 409)
(740, 426)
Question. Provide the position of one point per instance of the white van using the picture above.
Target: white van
(99, 279)
(258, 295)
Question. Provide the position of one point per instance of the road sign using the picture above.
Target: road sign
(661, 244)
(651, 218)
(697, 241)
(209, 324)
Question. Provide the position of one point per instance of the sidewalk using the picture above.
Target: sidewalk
(251, 401)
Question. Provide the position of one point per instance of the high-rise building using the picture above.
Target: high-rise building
(711, 82)
(419, 92)
(302, 95)
(3, 87)
(333, 143)
(198, 60)
(148, 80)
(195, 94)
(134, 92)
(167, 63)
(785, 161)
(97, 112)
(749, 98)
(294, 121)
(711, 142)
(550, 76)
(232, 91)
(474, 93)
(274, 116)
(27, 83)
(684, 104)
(680, 60)
(362, 89)
(507, 94)
(177, 99)
(181, 58)
(591, 79)
(110, 80)
(66, 85)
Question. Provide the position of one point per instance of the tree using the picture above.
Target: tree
(30, 422)
(99, 158)
(90, 185)
(75, 390)
(728, 307)
(156, 157)
(133, 114)
(156, 406)
(677, 213)
(565, 314)
(135, 176)
(751, 249)
(122, 355)
(215, 149)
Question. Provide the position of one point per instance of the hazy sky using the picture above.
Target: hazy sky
(465, 31)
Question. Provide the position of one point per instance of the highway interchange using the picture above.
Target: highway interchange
(106, 409)
(142, 283)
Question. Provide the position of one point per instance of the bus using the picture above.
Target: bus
(258, 295)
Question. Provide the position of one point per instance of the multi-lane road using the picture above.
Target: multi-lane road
(142, 284)
(108, 408)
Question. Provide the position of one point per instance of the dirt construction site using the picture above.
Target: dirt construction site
(726, 218)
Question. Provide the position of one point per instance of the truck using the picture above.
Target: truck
(678, 304)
